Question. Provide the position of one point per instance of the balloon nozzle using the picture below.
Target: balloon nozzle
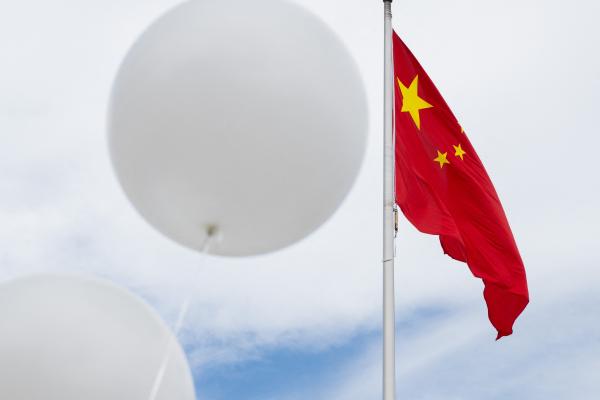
(211, 230)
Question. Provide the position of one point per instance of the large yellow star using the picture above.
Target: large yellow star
(459, 152)
(411, 102)
(442, 158)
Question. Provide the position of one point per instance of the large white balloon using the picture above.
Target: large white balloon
(246, 115)
(75, 338)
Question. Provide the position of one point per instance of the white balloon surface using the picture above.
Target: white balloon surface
(245, 115)
(74, 338)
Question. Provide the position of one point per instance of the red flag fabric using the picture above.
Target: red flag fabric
(443, 189)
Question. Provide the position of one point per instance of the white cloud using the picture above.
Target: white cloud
(552, 355)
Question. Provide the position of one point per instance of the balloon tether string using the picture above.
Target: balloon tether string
(211, 231)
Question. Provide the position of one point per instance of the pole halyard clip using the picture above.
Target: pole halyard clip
(395, 221)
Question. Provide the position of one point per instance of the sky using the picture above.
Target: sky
(523, 77)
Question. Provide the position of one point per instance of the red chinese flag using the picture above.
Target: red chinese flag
(443, 189)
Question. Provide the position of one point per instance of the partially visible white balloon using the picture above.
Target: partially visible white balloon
(249, 116)
(75, 338)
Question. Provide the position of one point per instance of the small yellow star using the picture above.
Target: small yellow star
(411, 102)
(459, 152)
(442, 158)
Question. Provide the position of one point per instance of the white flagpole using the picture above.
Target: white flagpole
(389, 323)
